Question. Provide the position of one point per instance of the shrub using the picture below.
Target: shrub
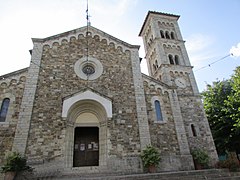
(15, 163)
(150, 156)
(201, 157)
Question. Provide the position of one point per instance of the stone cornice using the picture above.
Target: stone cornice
(83, 31)
(14, 73)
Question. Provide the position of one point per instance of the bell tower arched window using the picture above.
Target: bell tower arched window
(4, 109)
(162, 34)
(172, 35)
(176, 60)
(167, 35)
(158, 110)
(170, 57)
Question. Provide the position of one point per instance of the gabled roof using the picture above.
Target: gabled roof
(156, 81)
(157, 13)
(83, 30)
(15, 73)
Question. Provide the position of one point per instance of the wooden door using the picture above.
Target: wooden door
(86, 146)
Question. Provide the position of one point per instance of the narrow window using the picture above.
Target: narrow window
(156, 63)
(172, 35)
(154, 67)
(158, 110)
(162, 34)
(170, 57)
(4, 109)
(193, 130)
(167, 35)
(176, 60)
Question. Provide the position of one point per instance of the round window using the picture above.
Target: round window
(88, 68)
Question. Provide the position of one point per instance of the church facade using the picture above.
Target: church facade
(83, 104)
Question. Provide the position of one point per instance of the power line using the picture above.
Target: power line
(209, 65)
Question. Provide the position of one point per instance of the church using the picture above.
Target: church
(83, 104)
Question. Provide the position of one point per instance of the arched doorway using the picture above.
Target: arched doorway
(86, 140)
(86, 147)
(86, 134)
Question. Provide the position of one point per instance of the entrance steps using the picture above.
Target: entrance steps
(209, 174)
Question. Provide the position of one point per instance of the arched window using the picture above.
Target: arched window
(170, 57)
(4, 109)
(158, 110)
(172, 35)
(176, 60)
(167, 35)
(194, 133)
(162, 34)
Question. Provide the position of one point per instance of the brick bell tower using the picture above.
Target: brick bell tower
(168, 62)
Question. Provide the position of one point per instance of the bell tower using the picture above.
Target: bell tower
(166, 54)
(168, 62)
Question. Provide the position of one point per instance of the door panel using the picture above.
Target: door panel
(86, 146)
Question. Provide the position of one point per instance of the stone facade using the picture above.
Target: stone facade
(12, 87)
(55, 96)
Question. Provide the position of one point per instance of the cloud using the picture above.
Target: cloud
(198, 47)
(235, 50)
(114, 7)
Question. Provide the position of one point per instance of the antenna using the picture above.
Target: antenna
(87, 67)
(88, 16)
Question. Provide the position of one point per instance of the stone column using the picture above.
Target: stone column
(140, 101)
(22, 130)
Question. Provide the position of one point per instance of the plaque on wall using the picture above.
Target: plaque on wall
(95, 146)
(76, 147)
(89, 146)
(82, 147)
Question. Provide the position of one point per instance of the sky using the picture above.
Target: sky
(211, 29)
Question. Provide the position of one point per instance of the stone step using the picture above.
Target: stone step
(188, 175)
(210, 174)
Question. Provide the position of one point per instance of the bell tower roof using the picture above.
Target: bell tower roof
(156, 13)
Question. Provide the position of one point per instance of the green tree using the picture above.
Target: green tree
(222, 105)
(233, 101)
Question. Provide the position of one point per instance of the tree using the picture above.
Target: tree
(233, 101)
(221, 103)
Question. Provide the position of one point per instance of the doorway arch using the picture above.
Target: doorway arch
(89, 114)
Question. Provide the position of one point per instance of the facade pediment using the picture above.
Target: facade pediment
(81, 33)
(86, 95)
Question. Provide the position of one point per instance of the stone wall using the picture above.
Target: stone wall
(12, 87)
(196, 124)
(167, 135)
(163, 134)
(57, 80)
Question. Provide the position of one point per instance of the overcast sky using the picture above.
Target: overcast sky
(210, 28)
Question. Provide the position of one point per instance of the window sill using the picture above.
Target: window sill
(4, 124)
(160, 122)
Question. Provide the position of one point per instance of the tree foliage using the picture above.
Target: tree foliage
(222, 105)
